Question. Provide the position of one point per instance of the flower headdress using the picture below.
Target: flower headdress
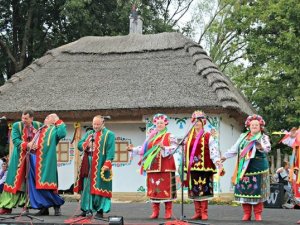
(160, 116)
(255, 117)
(199, 115)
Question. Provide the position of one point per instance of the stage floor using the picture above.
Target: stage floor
(138, 213)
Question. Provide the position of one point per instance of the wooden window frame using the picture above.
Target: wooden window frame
(59, 152)
(118, 151)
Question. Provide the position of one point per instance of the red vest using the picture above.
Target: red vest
(201, 160)
(161, 164)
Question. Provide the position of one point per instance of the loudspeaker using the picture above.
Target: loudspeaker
(276, 197)
(115, 220)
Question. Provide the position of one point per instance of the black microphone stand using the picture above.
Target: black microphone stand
(181, 143)
(27, 196)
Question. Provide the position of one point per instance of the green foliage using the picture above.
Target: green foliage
(50, 24)
(270, 77)
(257, 44)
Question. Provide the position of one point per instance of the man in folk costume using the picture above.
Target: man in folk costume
(94, 181)
(251, 177)
(292, 139)
(43, 179)
(158, 162)
(202, 159)
(14, 188)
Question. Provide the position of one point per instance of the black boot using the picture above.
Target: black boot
(83, 214)
(57, 211)
(42, 212)
(99, 214)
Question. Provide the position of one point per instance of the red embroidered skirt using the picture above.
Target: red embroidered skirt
(161, 185)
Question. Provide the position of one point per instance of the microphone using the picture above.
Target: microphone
(93, 135)
(42, 127)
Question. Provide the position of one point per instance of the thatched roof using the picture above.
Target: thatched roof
(123, 76)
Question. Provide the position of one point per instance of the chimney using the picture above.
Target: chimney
(136, 22)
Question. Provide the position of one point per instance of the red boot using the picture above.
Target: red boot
(247, 211)
(155, 211)
(168, 210)
(204, 213)
(5, 211)
(197, 215)
(258, 208)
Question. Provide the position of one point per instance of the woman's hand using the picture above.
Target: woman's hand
(258, 146)
(293, 132)
(223, 159)
(130, 148)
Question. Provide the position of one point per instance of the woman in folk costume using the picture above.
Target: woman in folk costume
(251, 177)
(158, 162)
(201, 160)
(292, 139)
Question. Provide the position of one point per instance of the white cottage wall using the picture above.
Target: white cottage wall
(127, 177)
(230, 130)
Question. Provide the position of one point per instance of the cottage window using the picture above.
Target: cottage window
(62, 151)
(121, 153)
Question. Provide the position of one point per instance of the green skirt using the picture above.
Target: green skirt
(9, 200)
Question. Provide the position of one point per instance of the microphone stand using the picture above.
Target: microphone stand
(25, 213)
(181, 143)
(89, 213)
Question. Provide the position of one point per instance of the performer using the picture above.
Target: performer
(3, 175)
(251, 177)
(158, 162)
(14, 188)
(201, 160)
(43, 179)
(292, 139)
(94, 181)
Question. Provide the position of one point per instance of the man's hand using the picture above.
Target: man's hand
(54, 118)
(105, 168)
(31, 146)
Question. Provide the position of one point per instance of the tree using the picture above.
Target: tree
(216, 33)
(271, 78)
(257, 44)
(29, 28)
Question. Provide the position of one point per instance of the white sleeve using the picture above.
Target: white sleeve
(265, 143)
(2, 180)
(213, 150)
(169, 150)
(289, 141)
(136, 150)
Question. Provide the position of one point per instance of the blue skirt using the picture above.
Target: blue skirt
(41, 198)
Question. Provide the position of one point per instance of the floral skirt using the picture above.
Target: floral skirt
(161, 186)
(253, 188)
(201, 186)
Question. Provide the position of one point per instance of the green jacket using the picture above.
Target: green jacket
(46, 159)
(17, 165)
(103, 154)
